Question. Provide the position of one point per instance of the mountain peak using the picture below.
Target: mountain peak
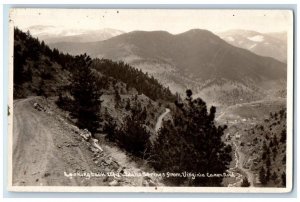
(200, 34)
(156, 32)
(197, 31)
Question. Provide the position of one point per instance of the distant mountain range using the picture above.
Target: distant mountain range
(51, 34)
(269, 44)
(220, 73)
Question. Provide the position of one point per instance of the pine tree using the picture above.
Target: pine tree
(128, 107)
(245, 183)
(265, 150)
(268, 162)
(133, 136)
(86, 94)
(110, 128)
(268, 175)
(283, 136)
(41, 87)
(117, 97)
(192, 142)
(262, 176)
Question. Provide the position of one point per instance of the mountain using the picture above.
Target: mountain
(52, 34)
(265, 44)
(220, 73)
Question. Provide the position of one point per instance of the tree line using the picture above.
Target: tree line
(134, 78)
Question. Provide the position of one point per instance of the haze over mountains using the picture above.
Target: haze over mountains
(220, 73)
(50, 34)
(270, 44)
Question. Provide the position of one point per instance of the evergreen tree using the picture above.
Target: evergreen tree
(111, 129)
(245, 183)
(268, 162)
(133, 136)
(41, 87)
(86, 94)
(283, 136)
(128, 107)
(117, 97)
(268, 175)
(265, 150)
(192, 143)
(262, 176)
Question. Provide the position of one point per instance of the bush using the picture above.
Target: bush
(111, 129)
(132, 135)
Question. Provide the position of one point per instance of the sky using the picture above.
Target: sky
(172, 20)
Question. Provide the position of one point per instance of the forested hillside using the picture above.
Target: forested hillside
(265, 148)
(40, 70)
(134, 78)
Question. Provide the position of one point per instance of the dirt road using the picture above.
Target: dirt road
(238, 170)
(44, 148)
(47, 150)
(160, 119)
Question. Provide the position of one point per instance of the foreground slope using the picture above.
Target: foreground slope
(44, 148)
(45, 145)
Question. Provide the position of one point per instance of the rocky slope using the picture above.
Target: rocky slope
(48, 150)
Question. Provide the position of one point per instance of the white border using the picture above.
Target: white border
(289, 162)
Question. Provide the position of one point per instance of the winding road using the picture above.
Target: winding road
(239, 160)
(160, 119)
(239, 177)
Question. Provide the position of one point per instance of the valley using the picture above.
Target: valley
(199, 60)
(240, 119)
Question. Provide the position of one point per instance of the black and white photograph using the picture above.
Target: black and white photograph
(151, 100)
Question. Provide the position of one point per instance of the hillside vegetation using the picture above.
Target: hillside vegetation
(265, 148)
(41, 70)
(96, 96)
